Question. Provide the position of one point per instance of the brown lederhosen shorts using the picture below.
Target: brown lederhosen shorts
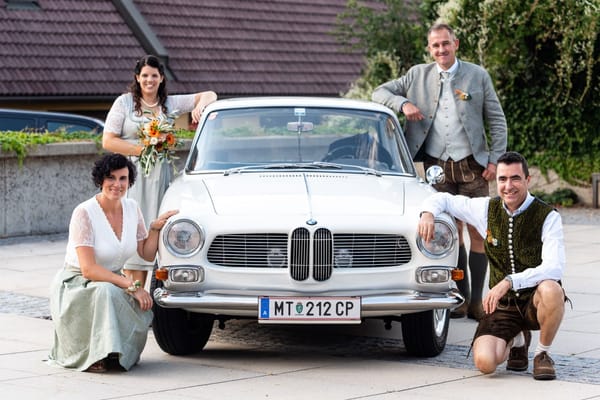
(461, 177)
(512, 316)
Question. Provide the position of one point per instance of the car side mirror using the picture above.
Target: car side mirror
(435, 174)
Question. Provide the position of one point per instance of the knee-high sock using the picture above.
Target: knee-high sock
(477, 267)
(463, 285)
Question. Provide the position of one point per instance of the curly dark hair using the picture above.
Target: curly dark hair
(136, 90)
(111, 162)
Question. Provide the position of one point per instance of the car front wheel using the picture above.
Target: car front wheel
(425, 333)
(179, 332)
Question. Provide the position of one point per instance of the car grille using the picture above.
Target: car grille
(316, 254)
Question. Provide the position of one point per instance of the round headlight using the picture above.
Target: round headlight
(442, 242)
(183, 238)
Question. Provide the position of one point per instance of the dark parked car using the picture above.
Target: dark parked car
(41, 121)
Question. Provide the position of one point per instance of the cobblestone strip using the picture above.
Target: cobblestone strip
(300, 339)
(30, 306)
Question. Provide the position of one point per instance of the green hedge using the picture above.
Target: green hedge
(19, 142)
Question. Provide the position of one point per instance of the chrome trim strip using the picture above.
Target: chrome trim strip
(247, 306)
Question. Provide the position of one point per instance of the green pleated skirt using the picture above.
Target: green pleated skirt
(94, 319)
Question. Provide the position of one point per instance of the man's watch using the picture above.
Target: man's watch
(403, 104)
(509, 279)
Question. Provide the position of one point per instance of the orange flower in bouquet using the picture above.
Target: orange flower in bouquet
(157, 135)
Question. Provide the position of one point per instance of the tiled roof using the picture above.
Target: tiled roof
(84, 48)
(68, 48)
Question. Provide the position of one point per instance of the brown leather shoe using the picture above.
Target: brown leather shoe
(518, 359)
(475, 311)
(543, 367)
(459, 312)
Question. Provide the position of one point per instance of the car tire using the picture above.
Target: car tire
(179, 332)
(425, 333)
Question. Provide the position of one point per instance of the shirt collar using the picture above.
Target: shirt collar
(451, 70)
(522, 208)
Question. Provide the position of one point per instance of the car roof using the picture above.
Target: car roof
(49, 114)
(295, 101)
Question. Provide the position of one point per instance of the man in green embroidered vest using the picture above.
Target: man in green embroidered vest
(524, 243)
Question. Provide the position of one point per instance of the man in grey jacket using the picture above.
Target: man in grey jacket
(447, 105)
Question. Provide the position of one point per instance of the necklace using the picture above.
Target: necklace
(147, 104)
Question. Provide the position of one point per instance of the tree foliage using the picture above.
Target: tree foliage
(543, 55)
(380, 67)
(386, 31)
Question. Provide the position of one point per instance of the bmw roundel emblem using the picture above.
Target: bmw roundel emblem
(311, 222)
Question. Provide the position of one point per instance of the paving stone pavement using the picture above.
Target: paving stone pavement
(321, 340)
(327, 341)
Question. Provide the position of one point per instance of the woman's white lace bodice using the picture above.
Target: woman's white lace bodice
(90, 227)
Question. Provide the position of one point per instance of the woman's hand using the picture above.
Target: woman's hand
(143, 298)
(159, 222)
(197, 112)
(201, 100)
(148, 247)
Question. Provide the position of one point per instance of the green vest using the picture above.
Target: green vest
(514, 240)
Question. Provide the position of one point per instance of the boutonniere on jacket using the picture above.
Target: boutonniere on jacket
(490, 239)
(462, 95)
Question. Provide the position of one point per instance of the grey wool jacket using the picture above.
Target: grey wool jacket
(422, 87)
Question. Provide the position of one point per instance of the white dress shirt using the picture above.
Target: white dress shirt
(474, 211)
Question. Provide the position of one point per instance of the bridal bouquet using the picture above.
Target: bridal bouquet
(157, 135)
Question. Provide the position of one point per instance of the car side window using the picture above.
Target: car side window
(13, 123)
(66, 126)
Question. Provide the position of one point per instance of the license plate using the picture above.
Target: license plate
(306, 310)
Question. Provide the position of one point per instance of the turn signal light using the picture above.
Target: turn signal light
(458, 274)
(162, 274)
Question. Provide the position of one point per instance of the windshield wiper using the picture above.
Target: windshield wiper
(311, 165)
(289, 166)
(327, 165)
(366, 170)
(237, 170)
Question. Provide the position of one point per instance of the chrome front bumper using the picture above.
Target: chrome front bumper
(247, 306)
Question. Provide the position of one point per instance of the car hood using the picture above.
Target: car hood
(306, 193)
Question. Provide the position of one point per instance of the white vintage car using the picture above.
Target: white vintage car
(301, 211)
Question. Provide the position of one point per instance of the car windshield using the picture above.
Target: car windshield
(236, 140)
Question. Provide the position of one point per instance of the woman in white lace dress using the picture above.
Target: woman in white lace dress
(147, 96)
(99, 314)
